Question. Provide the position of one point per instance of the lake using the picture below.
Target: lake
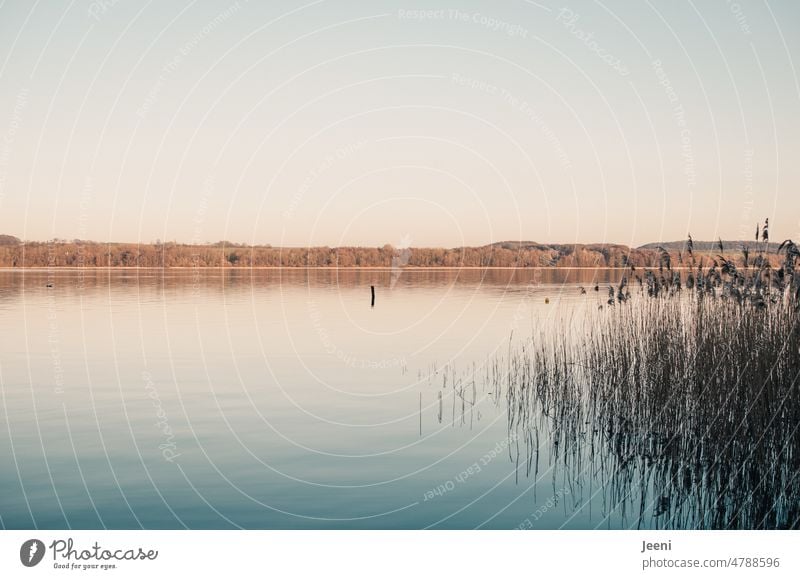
(281, 399)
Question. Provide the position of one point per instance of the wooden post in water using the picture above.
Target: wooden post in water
(372, 288)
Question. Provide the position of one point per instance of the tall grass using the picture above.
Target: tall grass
(677, 405)
(697, 400)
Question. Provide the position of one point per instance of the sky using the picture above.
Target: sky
(410, 123)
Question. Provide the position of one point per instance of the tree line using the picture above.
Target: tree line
(59, 253)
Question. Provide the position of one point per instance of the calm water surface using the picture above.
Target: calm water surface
(275, 399)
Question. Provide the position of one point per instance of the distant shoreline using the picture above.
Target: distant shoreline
(503, 255)
(328, 268)
(298, 267)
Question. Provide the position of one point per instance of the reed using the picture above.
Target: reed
(697, 400)
(677, 405)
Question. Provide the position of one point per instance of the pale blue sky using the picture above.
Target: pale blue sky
(332, 123)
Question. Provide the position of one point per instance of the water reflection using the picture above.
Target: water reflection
(281, 399)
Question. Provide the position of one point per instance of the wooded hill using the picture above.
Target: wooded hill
(59, 253)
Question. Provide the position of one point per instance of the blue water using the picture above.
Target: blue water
(273, 399)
